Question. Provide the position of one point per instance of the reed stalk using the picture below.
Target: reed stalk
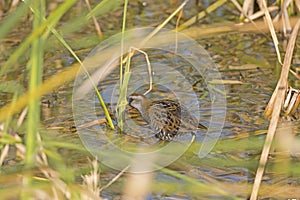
(35, 66)
(123, 82)
(275, 105)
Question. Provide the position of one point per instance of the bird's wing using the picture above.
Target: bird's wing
(170, 116)
(188, 122)
(164, 115)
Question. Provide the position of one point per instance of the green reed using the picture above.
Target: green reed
(122, 101)
(35, 66)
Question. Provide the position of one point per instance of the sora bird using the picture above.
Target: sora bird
(167, 118)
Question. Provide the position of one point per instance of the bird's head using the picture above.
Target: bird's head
(139, 101)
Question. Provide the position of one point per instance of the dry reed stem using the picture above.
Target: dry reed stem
(268, 18)
(114, 179)
(248, 8)
(238, 6)
(132, 49)
(4, 153)
(14, 5)
(154, 32)
(281, 91)
(285, 19)
(91, 181)
(97, 27)
(202, 14)
(159, 27)
(260, 13)
(209, 31)
(295, 74)
(251, 17)
(297, 3)
(51, 175)
(176, 29)
(124, 82)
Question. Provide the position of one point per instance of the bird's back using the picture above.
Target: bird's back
(168, 118)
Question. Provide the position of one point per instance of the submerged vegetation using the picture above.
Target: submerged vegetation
(253, 43)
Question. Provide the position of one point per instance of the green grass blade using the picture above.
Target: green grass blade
(36, 66)
(59, 37)
(123, 83)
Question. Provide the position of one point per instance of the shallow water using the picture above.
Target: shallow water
(245, 106)
(248, 58)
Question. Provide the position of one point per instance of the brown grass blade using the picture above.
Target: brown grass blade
(260, 13)
(248, 8)
(227, 27)
(202, 14)
(285, 19)
(268, 18)
(97, 27)
(281, 91)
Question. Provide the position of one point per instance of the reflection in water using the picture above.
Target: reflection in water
(178, 56)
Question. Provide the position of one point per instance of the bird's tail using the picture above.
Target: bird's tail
(201, 126)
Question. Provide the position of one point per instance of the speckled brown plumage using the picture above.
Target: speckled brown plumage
(166, 117)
